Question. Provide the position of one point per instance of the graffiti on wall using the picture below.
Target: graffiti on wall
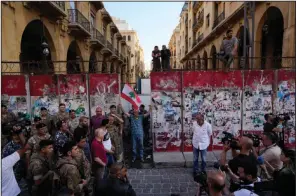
(285, 103)
(104, 91)
(43, 92)
(257, 98)
(13, 94)
(166, 114)
(73, 93)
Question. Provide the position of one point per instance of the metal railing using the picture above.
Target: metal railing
(60, 4)
(197, 4)
(218, 20)
(95, 34)
(200, 38)
(239, 63)
(116, 52)
(75, 17)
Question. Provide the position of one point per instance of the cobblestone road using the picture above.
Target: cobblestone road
(163, 182)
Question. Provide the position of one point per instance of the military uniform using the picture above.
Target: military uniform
(83, 165)
(5, 120)
(38, 168)
(49, 122)
(116, 140)
(33, 142)
(61, 117)
(70, 176)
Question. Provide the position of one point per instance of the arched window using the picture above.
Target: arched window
(129, 38)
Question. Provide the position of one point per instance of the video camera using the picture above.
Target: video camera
(256, 139)
(285, 117)
(230, 140)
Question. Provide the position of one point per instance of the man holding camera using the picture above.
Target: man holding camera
(201, 139)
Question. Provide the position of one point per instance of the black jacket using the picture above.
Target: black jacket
(165, 54)
(113, 187)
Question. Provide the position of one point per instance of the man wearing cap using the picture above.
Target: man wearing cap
(137, 131)
(33, 143)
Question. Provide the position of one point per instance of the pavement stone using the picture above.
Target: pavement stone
(163, 181)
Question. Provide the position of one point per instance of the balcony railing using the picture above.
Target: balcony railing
(116, 52)
(218, 20)
(97, 35)
(197, 5)
(109, 46)
(60, 4)
(200, 38)
(75, 17)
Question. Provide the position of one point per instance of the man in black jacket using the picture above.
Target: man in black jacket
(165, 56)
(116, 184)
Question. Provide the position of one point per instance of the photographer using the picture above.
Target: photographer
(271, 153)
(268, 125)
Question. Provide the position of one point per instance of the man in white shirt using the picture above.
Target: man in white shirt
(201, 140)
(9, 184)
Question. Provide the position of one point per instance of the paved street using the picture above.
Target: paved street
(163, 181)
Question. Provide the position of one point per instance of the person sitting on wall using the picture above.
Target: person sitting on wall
(229, 48)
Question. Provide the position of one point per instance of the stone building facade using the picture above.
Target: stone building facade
(136, 67)
(79, 32)
(174, 46)
(203, 26)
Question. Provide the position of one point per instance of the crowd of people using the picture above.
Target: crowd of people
(253, 170)
(57, 155)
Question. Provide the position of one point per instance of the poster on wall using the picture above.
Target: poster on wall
(197, 98)
(14, 94)
(166, 114)
(257, 98)
(73, 93)
(285, 104)
(226, 105)
(104, 91)
(44, 93)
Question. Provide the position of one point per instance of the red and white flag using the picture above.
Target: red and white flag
(130, 95)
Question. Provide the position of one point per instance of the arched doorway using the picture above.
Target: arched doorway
(272, 32)
(198, 62)
(74, 58)
(213, 53)
(240, 49)
(204, 61)
(33, 57)
(93, 63)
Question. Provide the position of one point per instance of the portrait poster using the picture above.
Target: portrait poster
(44, 93)
(104, 91)
(14, 94)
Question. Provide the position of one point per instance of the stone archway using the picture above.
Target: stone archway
(204, 62)
(198, 63)
(32, 57)
(213, 54)
(93, 63)
(74, 59)
(270, 33)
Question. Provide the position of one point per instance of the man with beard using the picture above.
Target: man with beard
(229, 48)
(83, 129)
(40, 174)
(165, 56)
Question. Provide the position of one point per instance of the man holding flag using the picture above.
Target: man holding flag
(136, 120)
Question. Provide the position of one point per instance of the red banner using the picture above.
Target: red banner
(263, 77)
(104, 83)
(43, 85)
(198, 78)
(73, 84)
(227, 79)
(166, 81)
(13, 85)
(285, 75)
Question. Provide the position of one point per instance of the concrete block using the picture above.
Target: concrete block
(168, 159)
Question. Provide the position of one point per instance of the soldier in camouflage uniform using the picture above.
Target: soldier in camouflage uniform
(68, 169)
(37, 120)
(7, 119)
(33, 142)
(40, 176)
(62, 115)
(84, 164)
(116, 138)
(47, 119)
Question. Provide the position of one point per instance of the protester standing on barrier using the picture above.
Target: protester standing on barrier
(229, 48)
(201, 140)
(156, 54)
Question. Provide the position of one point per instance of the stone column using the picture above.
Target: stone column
(99, 67)
(108, 67)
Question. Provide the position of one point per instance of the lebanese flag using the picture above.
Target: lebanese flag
(130, 95)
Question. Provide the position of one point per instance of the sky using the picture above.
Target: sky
(153, 21)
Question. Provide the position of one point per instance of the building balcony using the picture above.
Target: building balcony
(115, 54)
(113, 28)
(78, 23)
(106, 17)
(118, 36)
(200, 38)
(218, 20)
(197, 5)
(98, 4)
(51, 9)
(108, 49)
(97, 39)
